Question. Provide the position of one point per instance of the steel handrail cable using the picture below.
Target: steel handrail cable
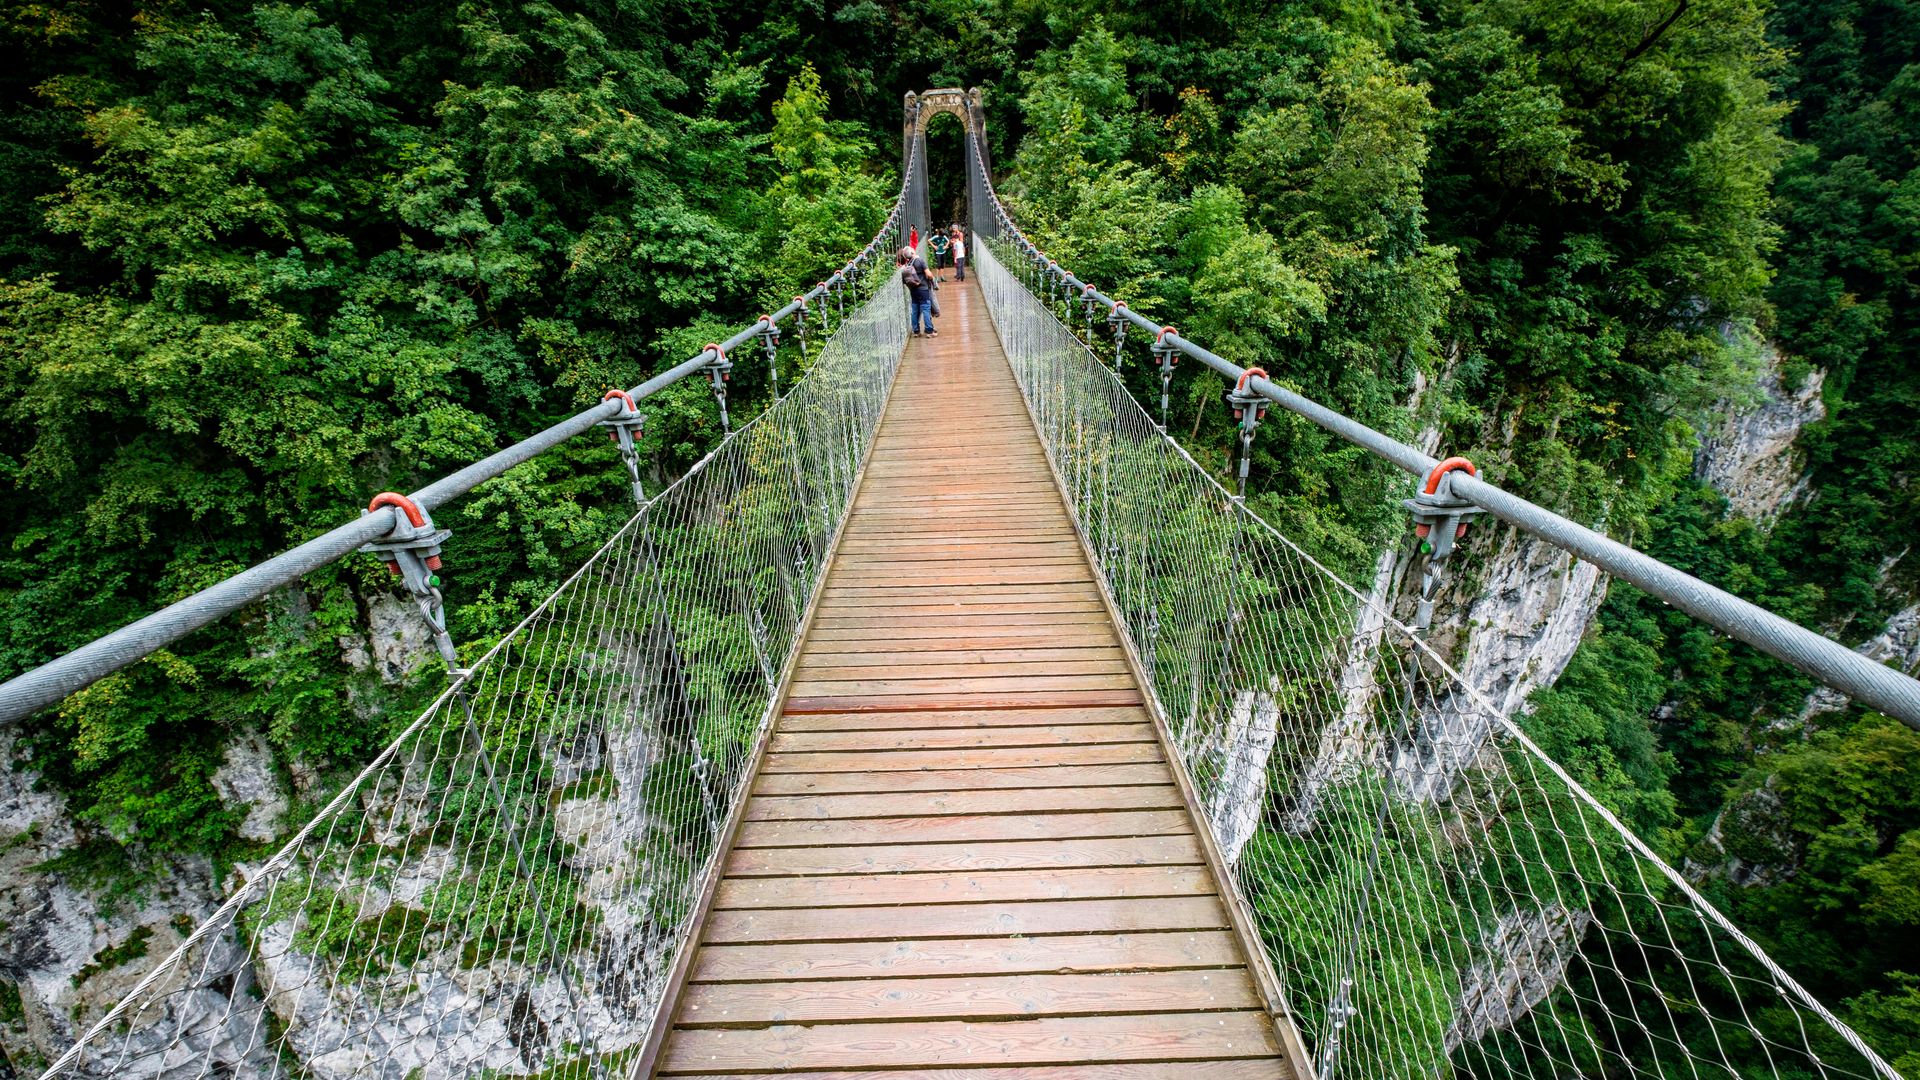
(1875, 684)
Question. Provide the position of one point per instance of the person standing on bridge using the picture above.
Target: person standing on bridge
(919, 282)
(959, 248)
(937, 244)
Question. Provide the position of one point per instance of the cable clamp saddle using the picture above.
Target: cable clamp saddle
(412, 551)
(1440, 516)
(629, 420)
(1248, 405)
(1439, 520)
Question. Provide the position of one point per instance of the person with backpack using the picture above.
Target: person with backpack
(919, 282)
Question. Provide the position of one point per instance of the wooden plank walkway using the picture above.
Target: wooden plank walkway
(964, 853)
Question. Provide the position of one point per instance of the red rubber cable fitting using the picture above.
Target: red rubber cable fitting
(718, 352)
(623, 396)
(1241, 385)
(1117, 305)
(801, 300)
(393, 498)
(1162, 336)
(1445, 467)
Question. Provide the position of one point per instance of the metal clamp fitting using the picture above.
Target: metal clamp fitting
(719, 371)
(412, 551)
(624, 429)
(1249, 408)
(1162, 351)
(1440, 519)
(770, 341)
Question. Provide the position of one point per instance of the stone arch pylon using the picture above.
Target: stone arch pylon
(966, 105)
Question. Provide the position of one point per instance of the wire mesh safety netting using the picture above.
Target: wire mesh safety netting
(504, 889)
(1435, 895)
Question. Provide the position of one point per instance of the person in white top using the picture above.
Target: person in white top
(959, 251)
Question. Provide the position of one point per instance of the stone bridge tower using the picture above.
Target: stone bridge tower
(964, 104)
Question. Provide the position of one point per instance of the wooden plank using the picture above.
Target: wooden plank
(898, 671)
(1056, 699)
(1047, 777)
(964, 663)
(981, 999)
(996, 886)
(985, 682)
(906, 551)
(1080, 1039)
(949, 719)
(903, 738)
(1238, 1069)
(948, 620)
(940, 598)
(988, 554)
(1103, 916)
(1048, 579)
(921, 609)
(942, 635)
(937, 804)
(926, 657)
(992, 757)
(953, 828)
(999, 954)
(974, 856)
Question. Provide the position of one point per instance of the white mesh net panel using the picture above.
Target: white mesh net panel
(503, 891)
(1436, 896)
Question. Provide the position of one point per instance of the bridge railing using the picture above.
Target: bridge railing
(505, 889)
(817, 312)
(1435, 894)
(1874, 684)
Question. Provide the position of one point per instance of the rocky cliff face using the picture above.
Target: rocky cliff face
(1749, 456)
(1516, 637)
(1241, 750)
(1525, 956)
(68, 954)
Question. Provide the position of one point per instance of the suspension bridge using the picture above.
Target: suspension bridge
(949, 720)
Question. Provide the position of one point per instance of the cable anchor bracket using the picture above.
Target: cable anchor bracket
(1440, 519)
(412, 553)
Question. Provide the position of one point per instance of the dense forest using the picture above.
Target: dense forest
(258, 261)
